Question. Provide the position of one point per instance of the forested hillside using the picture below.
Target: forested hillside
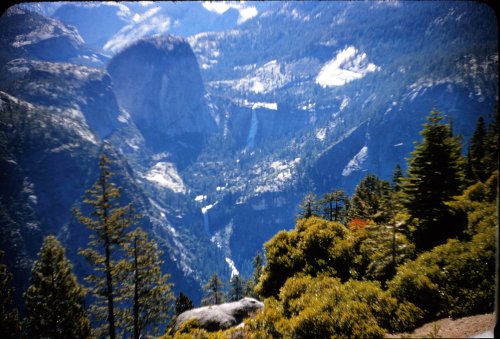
(378, 262)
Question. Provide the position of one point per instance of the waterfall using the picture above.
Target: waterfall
(204, 211)
(254, 124)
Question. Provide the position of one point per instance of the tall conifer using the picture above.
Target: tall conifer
(145, 285)
(435, 175)
(335, 206)
(237, 288)
(369, 201)
(182, 304)
(308, 206)
(213, 291)
(477, 152)
(397, 176)
(491, 156)
(108, 222)
(9, 317)
(54, 299)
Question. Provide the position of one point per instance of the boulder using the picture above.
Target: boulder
(217, 317)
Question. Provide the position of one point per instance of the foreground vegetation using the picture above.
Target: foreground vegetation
(394, 255)
(404, 253)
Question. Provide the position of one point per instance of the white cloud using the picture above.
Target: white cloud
(146, 3)
(220, 7)
(147, 24)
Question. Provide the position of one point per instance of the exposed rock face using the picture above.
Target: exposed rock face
(158, 82)
(216, 317)
(28, 34)
(81, 92)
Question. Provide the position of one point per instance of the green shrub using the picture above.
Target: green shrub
(268, 323)
(316, 246)
(455, 279)
(322, 307)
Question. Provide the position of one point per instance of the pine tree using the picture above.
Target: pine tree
(9, 318)
(54, 299)
(237, 288)
(369, 201)
(491, 156)
(336, 206)
(308, 207)
(397, 178)
(258, 266)
(109, 223)
(477, 152)
(213, 291)
(435, 175)
(182, 304)
(145, 285)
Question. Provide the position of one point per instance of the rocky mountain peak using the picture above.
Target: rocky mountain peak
(158, 81)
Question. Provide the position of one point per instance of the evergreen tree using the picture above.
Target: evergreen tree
(308, 207)
(145, 285)
(109, 223)
(397, 177)
(9, 319)
(369, 201)
(477, 151)
(258, 266)
(182, 304)
(213, 291)
(237, 288)
(435, 175)
(54, 299)
(336, 206)
(491, 156)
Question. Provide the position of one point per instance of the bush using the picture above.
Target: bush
(315, 247)
(455, 279)
(322, 307)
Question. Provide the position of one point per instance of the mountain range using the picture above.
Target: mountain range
(220, 117)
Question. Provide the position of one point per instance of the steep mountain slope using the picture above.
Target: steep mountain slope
(357, 71)
(354, 84)
(27, 34)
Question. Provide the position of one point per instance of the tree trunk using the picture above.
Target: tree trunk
(136, 293)
(109, 291)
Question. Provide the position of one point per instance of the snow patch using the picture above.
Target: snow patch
(344, 103)
(356, 162)
(321, 134)
(276, 175)
(124, 117)
(268, 105)
(265, 79)
(205, 209)
(165, 175)
(348, 65)
(200, 198)
(231, 265)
